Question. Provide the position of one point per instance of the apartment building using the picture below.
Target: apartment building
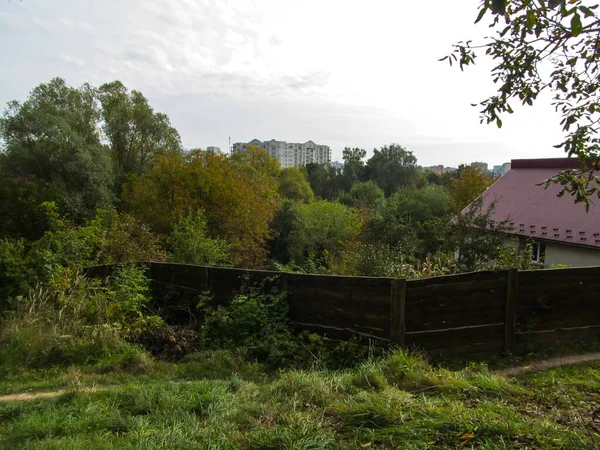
(290, 154)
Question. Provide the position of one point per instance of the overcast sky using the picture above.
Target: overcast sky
(341, 73)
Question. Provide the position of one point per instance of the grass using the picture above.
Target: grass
(217, 401)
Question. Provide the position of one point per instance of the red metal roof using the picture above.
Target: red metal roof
(538, 213)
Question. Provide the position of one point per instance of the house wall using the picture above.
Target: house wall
(571, 255)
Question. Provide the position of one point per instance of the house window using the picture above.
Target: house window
(538, 251)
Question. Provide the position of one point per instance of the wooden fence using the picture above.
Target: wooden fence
(466, 314)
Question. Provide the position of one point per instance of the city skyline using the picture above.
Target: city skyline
(245, 69)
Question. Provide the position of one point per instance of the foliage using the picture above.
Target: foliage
(294, 185)
(354, 167)
(546, 46)
(136, 134)
(70, 320)
(124, 239)
(238, 205)
(392, 167)
(363, 195)
(257, 161)
(479, 239)
(189, 243)
(379, 260)
(321, 228)
(324, 180)
(470, 184)
(415, 221)
(53, 139)
(256, 320)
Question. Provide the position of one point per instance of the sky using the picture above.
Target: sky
(341, 73)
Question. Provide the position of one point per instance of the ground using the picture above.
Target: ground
(399, 401)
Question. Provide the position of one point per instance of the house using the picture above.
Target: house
(562, 231)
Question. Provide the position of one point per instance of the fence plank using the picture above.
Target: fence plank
(510, 320)
(398, 311)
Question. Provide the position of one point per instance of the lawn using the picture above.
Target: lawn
(213, 401)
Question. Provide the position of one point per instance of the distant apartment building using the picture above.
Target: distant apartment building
(480, 165)
(497, 171)
(213, 149)
(439, 169)
(505, 167)
(450, 169)
(290, 154)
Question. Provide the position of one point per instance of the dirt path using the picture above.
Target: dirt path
(534, 366)
(545, 364)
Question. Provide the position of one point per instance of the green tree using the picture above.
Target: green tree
(53, 140)
(257, 160)
(546, 46)
(354, 167)
(363, 195)
(324, 180)
(136, 134)
(392, 167)
(293, 185)
(189, 243)
(468, 186)
(321, 228)
(412, 220)
(238, 204)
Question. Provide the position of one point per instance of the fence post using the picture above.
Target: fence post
(204, 281)
(510, 317)
(398, 297)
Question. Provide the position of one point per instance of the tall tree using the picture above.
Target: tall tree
(468, 186)
(257, 160)
(392, 167)
(238, 205)
(293, 185)
(53, 141)
(136, 134)
(546, 46)
(354, 166)
(324, 180)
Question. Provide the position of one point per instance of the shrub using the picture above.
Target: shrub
(190, 243)
(72, 320)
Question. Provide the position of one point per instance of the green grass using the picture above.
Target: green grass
(217, 401)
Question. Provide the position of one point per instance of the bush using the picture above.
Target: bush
(72, 320)
(256, 320)
(190, 243)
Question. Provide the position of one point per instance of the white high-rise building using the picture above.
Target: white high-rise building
(213, 149)
(290, 154)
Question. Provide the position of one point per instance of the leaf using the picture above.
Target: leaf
(498, 122)
(554, 3)
(531, 19)
(576, 25)
(481, 13)
(587, 12)
(499, 6)
(467, 436)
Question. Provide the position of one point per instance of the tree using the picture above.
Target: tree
(324, 180)
(354, 167)
(468, 186)
(364, 195)
(238, 205)
(136, 134)
(189, 243)
(547, 46)
(293, 185)
(411, 220)
(320, 228)
(52, 140)
(392, 167)
(257, 160)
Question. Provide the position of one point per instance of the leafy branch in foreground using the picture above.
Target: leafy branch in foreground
(551, 46)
